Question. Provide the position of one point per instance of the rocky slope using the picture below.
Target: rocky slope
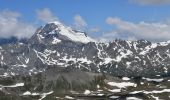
(58, 58)
(56, 44)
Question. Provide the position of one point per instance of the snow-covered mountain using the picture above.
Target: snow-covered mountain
(58, 45)
(55, 32)
(57, 50)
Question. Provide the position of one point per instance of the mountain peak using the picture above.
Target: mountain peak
(57, 31)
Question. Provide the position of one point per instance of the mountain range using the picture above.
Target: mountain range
(61, 58)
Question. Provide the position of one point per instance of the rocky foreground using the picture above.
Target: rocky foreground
(75, 86)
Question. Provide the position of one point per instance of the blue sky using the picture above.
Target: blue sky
(96, 15)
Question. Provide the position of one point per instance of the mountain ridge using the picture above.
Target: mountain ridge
(51, 46)
(51, 65)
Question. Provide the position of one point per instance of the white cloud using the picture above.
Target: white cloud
(157, 31)
(11, 25)
(150, 2)
(79, 22)
(46, 15)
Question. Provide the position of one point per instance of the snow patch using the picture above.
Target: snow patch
(67, 32)
(114, 97)
(27, 93)
(115, 90)
(68, 97)
(87, 92)
(13, 86)
(148, 48)
(151, 92)
(132, 98)
(125, 78)
(155, 80)
(122, 84)
(55, 40)
(43, 95)
(123, 55)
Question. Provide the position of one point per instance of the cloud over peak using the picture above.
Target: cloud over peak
(46, 15)
(143, 30)
(79, 22)
(11, 25)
